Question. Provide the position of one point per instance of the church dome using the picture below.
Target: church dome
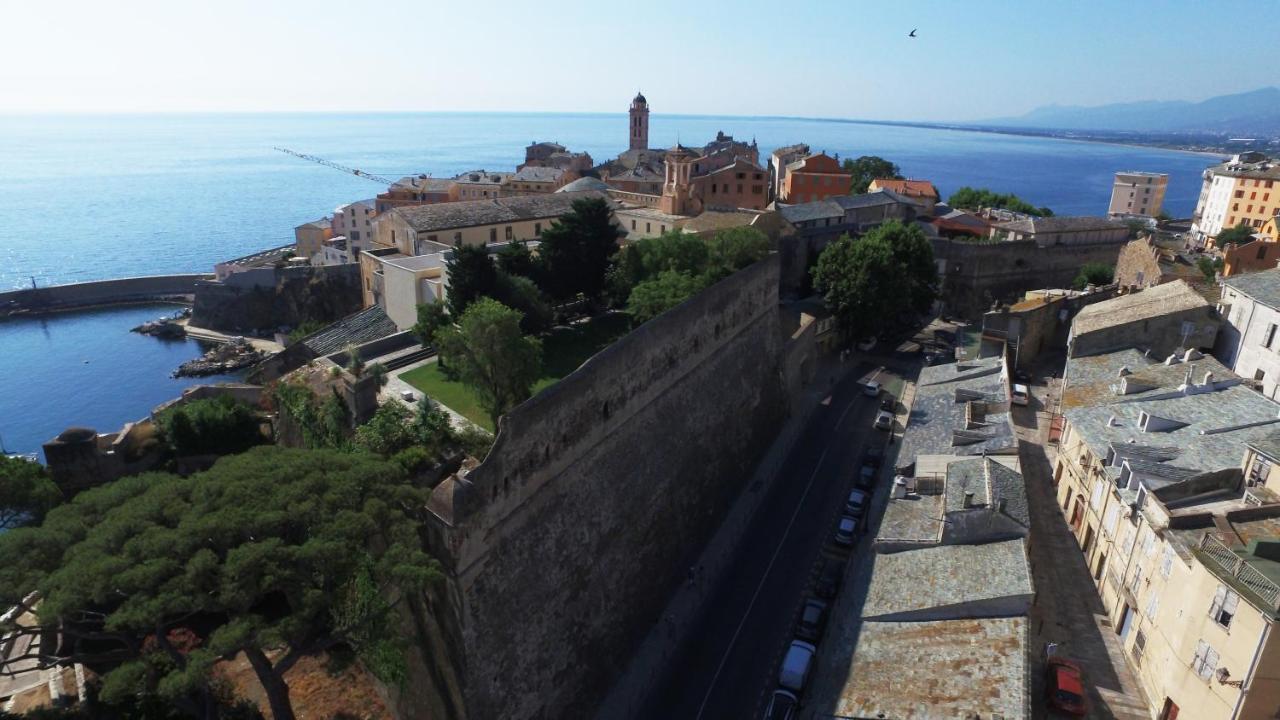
(640, 98)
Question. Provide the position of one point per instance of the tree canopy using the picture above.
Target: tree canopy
(492, 356)
(968, 198)
(648, 261)
(669, 288)
(576, 250)
(275, 553)
(26, 492)
(1238, 235)
(1093, 273)
(431, 317)
(219, 425)
(876, 281)
(868, 168)
(472, 275)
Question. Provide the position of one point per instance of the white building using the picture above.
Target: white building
(1248, 342)
(354, 221)
(1241, 191)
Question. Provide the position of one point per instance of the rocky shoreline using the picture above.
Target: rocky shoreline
(237, 354)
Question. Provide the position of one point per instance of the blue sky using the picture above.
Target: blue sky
(834, 58)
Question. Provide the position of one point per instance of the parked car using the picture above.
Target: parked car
(1064, 686)
(874, 456)
(1019, 395)
(796, 666)
(884, 420)
(871, 389)
(813, 616)
(866, 477)
(888, 402)
(845, 531)
(782, 706)
(856, 504)
(828, 585)
(867, 345)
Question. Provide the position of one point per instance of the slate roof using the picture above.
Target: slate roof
(1268, 445)
(1090, 380)
(1163, 299)
(912, 583)
(883, 196)
(531, 173)
(321, 224)
(1060, 223)
(805, 212)
(418, 183)
(482, 177)
(1263, 287)
(938, 411)
(362, 327)
(446, 216)
(990, 481)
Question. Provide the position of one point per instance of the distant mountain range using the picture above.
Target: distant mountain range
(1244, 114)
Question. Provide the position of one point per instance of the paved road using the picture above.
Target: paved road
(724, 669)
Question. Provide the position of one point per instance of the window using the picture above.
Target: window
(508, 234)
(433, 238)
(1235, 207)
(1262, 253)
(1259, 374)
(633, 224)
(1224, 605)
(493, 235)
(537, 229)
(713, 188)
(739, 188)
(1271, 335)
(393, 236)
(1095, 500)
(1139, 645)
(662, 228)
(757, 189)
(457, 237)
(1135, 582)
(1239, 193)
(648, 227)
(1253, 195)
(1205, 660)
(1153, 604)
(1109, 522)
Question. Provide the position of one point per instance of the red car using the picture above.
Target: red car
(1064, 686)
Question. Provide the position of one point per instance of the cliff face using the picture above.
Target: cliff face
(267, 299)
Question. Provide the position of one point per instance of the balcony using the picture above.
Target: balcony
(1215, 553)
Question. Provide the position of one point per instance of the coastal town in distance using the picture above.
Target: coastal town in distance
(726, 427)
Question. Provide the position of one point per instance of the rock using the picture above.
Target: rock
(161, 329)
(226, 358)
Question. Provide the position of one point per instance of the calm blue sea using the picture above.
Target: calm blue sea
(93, 197)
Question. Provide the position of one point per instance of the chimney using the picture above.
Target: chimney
(899, 487)
(1124, 371)
(1207, 381)
(1000, 502)
(1191, 354)
(1112, 421)
(968, 498)
(1172, 359)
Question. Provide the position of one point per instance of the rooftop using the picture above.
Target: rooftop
(933, 512)
(959, 409)
(356, 329)
(422, 183)
(883, 196)
(482, 177)
(531, 173)
(263, 258)
(805, 212)
(1061, 223)
(1263, 287)
(321, 224)
(909, 585)
(583, 184)
(446, 216)
(917, 670)
(1093, 380)
(1163, 299)
(1268, 445)
(711, 220)
(909, 188)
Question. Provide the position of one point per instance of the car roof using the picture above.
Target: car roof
(847, 521)
(1067, 677)
(1019, 388)
(861, 493)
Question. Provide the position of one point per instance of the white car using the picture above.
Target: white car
(884, 420)
(1019, 395)
(844, 531)
(795, 666)
(871, 389)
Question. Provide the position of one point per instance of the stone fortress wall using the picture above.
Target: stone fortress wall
(101, 292)
(565, 544)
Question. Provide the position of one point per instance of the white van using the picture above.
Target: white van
(1020, 395)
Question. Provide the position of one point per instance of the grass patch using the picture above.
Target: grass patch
(564, 349)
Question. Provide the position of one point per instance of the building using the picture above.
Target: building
(354, 221)
(921, 192)
(309, 238)
(1249, 257)
(555, 155)
(415, 190)
(1178, 540)
(639, 117)
(335, 251)
(639, 221)
(959, 224)
(534, 180)
(1162, 319)
(778, 161)
(1248, 345)
(689, 186)
(1062, 230)
(813, 178)
(1137, 194)
(1241, 190)
(1040, 322)
(399, 283)
(477, 185)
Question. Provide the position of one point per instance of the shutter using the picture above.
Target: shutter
(1152, 605)
(1166, 565)
(1197, 662)
(1218, 599)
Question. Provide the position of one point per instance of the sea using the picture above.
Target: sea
(90, 197)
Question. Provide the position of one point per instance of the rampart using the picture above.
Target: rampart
(975, 275)
(565, 544)
(100, 292)
(266, 299)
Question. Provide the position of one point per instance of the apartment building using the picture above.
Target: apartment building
(813, 178)
(1248, 344)
(478, 185)
(415, 190)
(309, 238)
(778, 161)
(354, 221)
(1182, 546)
(1138, 194)
(1243, 190)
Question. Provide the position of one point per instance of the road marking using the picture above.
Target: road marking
(768, 569)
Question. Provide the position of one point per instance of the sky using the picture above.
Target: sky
(970, 60)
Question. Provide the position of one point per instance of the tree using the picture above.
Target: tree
(491, 356)
(732, 249)
(26, 492)
(521, 294)
(471, 276)
(874, 282)
(576, 250)
(517, 259)
(219, 425)
(431, 317)
(654, 297)
(1238, 235)
(868, 168)
(1209, 267)
(307, 327)
(1093, 273)
(967, 198)
(275, 553)
(391, 430)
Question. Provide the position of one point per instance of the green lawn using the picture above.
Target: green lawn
(563, 350)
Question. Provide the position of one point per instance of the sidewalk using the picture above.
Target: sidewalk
(1067, 609)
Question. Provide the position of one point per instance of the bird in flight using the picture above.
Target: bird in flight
(912, 33)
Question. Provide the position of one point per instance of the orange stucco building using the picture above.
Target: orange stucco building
(814, 178)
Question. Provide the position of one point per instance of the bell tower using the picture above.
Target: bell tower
(639, 123)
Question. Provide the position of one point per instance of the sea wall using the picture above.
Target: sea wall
(565, 544)
(100, 292)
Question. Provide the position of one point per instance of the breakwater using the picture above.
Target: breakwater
(99, 293)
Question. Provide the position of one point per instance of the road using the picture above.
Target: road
(726, 667)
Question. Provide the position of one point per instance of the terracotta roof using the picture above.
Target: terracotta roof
(909, 188)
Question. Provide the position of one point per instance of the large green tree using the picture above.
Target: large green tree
(431, 317)
(274, 553)
(492, 356)
(219, 425)
(868, 168)
(1093, 273)
(968, 198)
(732, 249)
(472, 275)
(665, 291)
(576, 250)
(1238, 235)
(26, 492)
(875, 282)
